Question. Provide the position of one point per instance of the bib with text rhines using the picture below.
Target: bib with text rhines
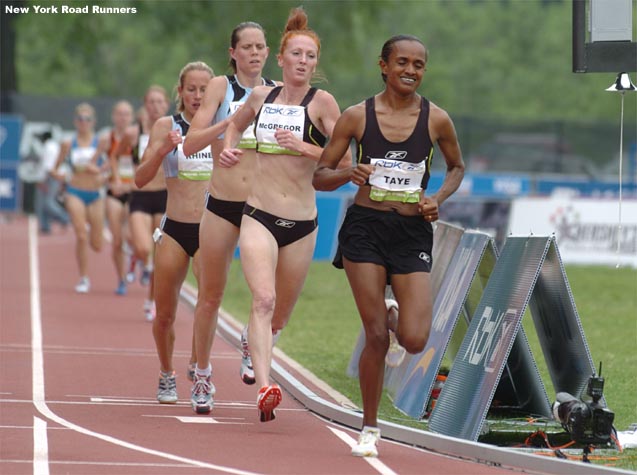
(197, 166)
(278, 116)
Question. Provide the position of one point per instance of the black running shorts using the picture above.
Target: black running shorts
(401, 244)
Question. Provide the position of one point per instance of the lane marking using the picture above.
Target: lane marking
(153, 402)
(79, 350)
(379, 466)
(204, 419)
(102, 464)
(40, 447)
(37, 371)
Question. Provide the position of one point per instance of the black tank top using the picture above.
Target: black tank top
(311, 134)
(136, 155)
(416, 148)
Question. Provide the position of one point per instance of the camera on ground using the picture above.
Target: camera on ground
(587, 422)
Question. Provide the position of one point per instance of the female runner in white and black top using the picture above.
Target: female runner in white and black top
(177, 241)
(387, 235)
(278, 229)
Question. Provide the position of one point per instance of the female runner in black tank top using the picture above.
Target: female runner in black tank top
(274, 257)
(148, 205)
(387, 234)
(227, 192)
(119, 186)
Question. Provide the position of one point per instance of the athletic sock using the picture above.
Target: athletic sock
(204, 372)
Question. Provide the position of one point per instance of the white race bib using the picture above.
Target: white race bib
(197, 166)
(142, 145)
(81, 157)
(395, 180)
(125, 168)
(278, 116)
(248, 140)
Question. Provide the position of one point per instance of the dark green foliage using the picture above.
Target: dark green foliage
(489, 58)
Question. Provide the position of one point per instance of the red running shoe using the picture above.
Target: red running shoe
(268, 399)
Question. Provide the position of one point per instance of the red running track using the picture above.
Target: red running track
(78, 375)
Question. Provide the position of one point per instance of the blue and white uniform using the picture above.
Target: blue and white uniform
(80, 157)
(236, 95)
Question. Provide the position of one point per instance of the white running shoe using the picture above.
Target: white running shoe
(202, 394)
(167, 389)
(396, 353)
(246, 371)
(83, 286)
(367, 441)
(149, 310)
(132, 265)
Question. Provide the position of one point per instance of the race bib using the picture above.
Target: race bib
(126, 169)
(142, 145)
(81, 157)
(277, 116)
(248, 139)
(394, 180)
(197, 166)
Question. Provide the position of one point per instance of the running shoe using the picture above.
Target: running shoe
(130, 275)
(268, 399)
(190, 372)
(246, 371)
(149, 310)
(167, 390)
(144, 279)
(367, 441)
(121, 288)
(83, 286)
(202, 394)
(396, 353)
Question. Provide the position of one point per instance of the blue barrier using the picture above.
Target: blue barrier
(10, 190)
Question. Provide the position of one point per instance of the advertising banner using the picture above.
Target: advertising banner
(472, 382)
(10, 190)
(587, 231)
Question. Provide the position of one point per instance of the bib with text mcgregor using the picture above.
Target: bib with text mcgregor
(278, 116)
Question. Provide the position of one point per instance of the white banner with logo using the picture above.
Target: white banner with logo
(587, 231)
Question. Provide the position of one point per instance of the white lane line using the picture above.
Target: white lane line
(205, 419)
(40, 447)
(379, 466)
(40, 462)
(153, 402)
(37, 369)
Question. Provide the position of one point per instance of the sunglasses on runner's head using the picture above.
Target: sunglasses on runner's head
(84, 118)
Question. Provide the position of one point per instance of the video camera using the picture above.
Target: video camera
(588, 422)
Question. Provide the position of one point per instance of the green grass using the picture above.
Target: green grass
(325, 325)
